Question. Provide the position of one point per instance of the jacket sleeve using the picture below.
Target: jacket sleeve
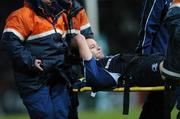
(14, 34)
(152, 17)
(171, 66)
(20, 55)
(85, 26)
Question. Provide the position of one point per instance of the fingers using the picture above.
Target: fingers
(79, 36)
(38, 64)
(76, 40)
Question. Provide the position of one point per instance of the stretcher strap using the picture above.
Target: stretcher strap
(167, 105)
(126, 96)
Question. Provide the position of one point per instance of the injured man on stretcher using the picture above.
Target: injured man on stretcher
(104, 72)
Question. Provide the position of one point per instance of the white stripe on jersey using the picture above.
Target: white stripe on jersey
(109, 61)
(114, 75)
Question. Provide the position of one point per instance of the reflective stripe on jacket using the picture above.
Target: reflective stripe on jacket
(78, 22)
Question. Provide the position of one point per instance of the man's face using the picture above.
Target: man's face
(66, 4)
(95, 49)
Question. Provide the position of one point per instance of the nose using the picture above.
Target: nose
(98, 48)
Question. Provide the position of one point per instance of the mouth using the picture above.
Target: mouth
(100, 53)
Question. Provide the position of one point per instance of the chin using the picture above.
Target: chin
(100, 56)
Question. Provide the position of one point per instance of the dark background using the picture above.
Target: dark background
(119, 21)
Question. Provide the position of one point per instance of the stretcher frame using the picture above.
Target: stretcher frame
(126, 97)
(121, 89)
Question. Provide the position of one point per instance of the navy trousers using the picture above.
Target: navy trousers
(48, 103)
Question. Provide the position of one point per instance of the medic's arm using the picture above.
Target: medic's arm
(13, 40)
(152, 18)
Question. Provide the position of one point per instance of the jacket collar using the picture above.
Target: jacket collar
(41, 9)
(76, 7)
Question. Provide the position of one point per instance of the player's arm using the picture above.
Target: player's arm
(97, 77)
(84, 51)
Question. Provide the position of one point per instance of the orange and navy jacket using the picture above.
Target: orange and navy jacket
(77, 21)
(176, 1)
(28, 36)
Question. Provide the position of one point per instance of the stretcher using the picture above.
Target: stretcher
(126, 94)
(121, 89)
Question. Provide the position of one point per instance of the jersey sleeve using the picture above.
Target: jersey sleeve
(97, 76)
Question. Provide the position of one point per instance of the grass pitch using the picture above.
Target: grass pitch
(90, 114)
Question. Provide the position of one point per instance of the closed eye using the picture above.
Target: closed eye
(92, 47)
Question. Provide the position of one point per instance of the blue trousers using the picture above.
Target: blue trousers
(48, 103)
